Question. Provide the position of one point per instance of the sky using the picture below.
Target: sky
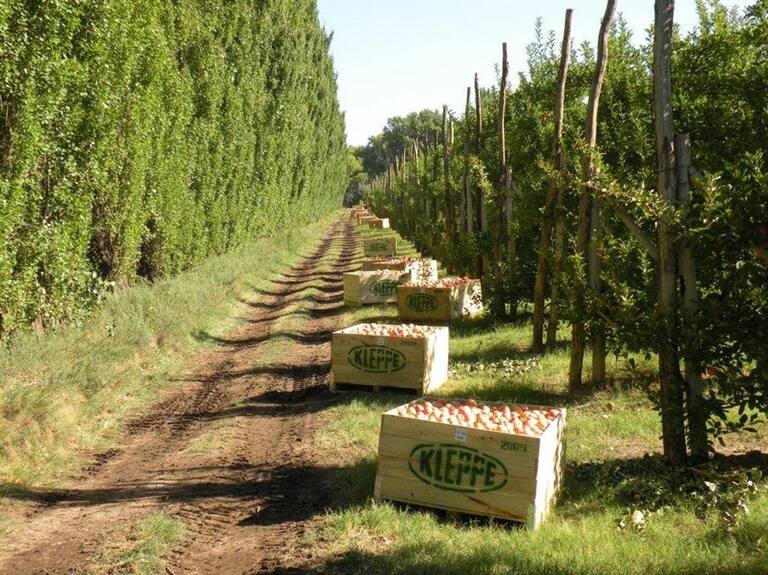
(394, 57)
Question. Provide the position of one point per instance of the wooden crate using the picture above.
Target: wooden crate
(501, 475)
(373, 287)
(439, 304)
(379, 224)
(386, 246)
(423, 269)
(361, 214)
(364, 220)
(420, 364)
(354, 212)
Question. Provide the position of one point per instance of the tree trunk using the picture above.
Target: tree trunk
(697, 414)
(671, 395)
(552, 193)
(578, 337)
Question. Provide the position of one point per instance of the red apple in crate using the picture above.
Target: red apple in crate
(408, 330)
(441, 283)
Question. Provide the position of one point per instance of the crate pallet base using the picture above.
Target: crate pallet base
(378, 388)
(454, 517)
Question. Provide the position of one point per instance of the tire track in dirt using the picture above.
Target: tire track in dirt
(246, 501)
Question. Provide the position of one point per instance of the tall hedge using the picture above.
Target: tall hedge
(139, 136)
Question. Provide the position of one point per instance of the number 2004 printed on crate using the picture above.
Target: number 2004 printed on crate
(468, 470)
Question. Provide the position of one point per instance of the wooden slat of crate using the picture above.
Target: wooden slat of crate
(525, 478)
(372, 288)
(380, 247)
(418, 363)
(365, 220)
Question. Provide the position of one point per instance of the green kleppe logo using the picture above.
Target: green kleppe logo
(376, 359)
(457, 468)
(421, 302)
(383, 287)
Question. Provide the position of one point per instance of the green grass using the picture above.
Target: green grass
(151, 539)
(65, 394)
(613, 469)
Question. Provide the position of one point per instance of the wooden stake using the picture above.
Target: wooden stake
(578, 332)
(449, 209)
(557, 263)
(501, 193)
(671, 395)
(482, 222)
(551, 200)
(466, 211)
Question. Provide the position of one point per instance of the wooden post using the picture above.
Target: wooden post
(510, 228)
(671, 393)
(578, 331)
(502, 185)
(697, 414)
(464, 219)
(550, 201)
(557, 264)
(482, 263)
(449, 210)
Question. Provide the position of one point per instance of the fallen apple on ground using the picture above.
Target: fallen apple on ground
(516, 419)
(406, 330)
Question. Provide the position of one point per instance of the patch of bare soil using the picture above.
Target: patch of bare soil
(246, 501)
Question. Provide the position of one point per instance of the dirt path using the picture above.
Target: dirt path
(248, 495)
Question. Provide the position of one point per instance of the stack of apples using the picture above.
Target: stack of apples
(406, 330)
(393, 260)
(441, 283)
(516, 419)
(385, 274)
